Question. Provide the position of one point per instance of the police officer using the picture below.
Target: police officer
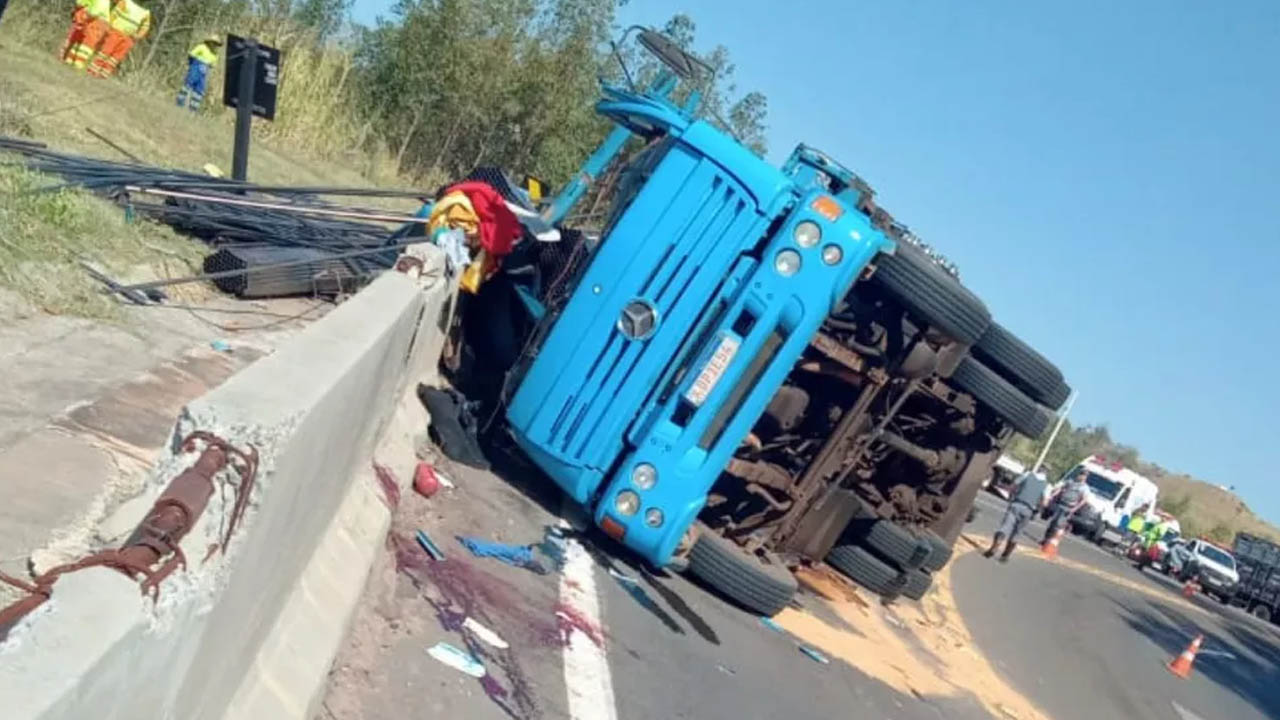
(1069, 499)
(1023, 503)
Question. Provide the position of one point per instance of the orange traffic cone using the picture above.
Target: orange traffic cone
(1181, 665)
(1050, 549)
(1190, 588)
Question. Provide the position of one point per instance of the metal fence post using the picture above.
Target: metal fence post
(244, 110)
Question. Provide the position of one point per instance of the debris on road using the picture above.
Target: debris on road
(459, 660)
(520, 556)
(425, 480)
(935, 660)
(453, 425)
(428, 545)
(486, 635)
(828, 584)
(769, 623)
(220, 346)
(814, 654)
(552, 547)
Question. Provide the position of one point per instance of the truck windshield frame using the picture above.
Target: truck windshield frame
(1217, 556)
(1103, 487)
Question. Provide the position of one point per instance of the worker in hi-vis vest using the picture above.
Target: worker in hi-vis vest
(200, 61)
(88, 28)
(129, 23)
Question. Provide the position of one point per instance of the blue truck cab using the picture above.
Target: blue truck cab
(712, 275)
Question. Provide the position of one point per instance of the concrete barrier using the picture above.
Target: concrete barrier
(249, 633)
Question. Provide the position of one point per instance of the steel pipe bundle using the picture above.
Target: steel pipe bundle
(248, 225)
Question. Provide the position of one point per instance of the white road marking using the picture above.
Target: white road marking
(586, 665)
(1184, 713)
(1216, 653)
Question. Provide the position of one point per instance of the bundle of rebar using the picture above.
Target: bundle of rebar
(267, 240)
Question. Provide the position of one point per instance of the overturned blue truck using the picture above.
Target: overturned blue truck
(752, 367)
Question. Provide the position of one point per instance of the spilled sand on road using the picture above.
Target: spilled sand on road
(921, 649)
(925, 649)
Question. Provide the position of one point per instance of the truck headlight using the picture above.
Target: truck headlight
(627, 503)
(807, 234)
(644, 476)
(832, 254)
(653, 517)
(787, 263)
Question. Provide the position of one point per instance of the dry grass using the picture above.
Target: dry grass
(43, 236)
(1205, 509)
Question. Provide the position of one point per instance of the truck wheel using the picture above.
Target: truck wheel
(891, 541)
(931, 295)
(1262, 612)
(864, 568)
(1096, 535)
(764, 586)
(917, 584)
(1021, 412)
(939, 552)
(1021, 365)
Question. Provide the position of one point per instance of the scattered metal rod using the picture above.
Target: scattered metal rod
(134, 296)
(113, 145)
(305, 209)
(231, 273)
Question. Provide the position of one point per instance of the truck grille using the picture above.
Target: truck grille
(689, 269)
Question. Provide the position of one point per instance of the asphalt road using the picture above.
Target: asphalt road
(1083, 646)
(1074, 644)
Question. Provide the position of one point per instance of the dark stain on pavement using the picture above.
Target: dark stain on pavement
(681, 607)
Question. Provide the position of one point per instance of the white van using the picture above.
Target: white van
(1115, 494)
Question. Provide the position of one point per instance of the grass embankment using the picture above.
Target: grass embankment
(43, 236)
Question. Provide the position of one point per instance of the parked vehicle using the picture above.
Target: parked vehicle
(1211, 566)
(1004, 476)
(756, 365)
(1258, 565)
(1115, 494)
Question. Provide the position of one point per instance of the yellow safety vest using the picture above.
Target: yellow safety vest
(203, 53)
(100, 9)
(130, 18)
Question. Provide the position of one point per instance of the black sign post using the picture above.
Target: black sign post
(253, 77)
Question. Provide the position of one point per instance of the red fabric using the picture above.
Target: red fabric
(499, 228)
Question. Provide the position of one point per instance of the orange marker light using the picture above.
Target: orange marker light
(827, 207)
(613, 528)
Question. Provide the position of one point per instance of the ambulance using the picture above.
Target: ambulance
(1115, 494)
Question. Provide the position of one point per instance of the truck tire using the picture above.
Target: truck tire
(861, 566)
(1021, 412)
(931, 295)
(899, 545)
(1021, 365)
(939, 552)
(1262, 612)
(916, 584)
(764, 587)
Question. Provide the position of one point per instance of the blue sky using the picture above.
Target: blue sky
(1106, 175)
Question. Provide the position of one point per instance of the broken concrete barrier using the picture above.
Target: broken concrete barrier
(249, 633)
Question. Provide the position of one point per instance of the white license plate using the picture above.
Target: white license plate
(713, 370)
